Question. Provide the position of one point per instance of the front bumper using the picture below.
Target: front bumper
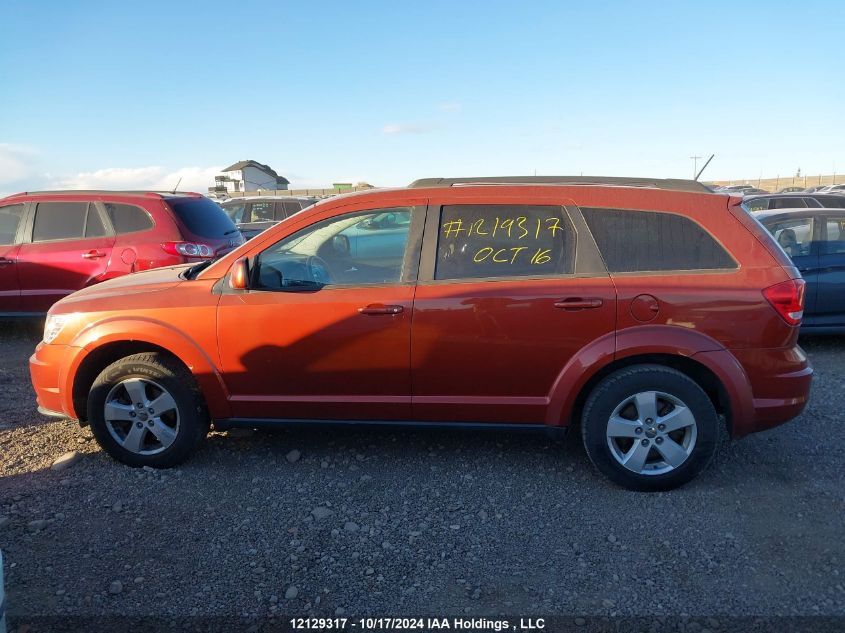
(45, 370)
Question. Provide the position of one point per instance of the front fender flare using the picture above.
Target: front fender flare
(159, 334)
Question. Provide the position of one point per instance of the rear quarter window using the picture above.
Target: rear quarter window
(760, 204)
(291, 208)
(490, 241)
(833, 203)
(640, 241)
(127, 218)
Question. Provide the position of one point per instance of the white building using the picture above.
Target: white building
(247, 175)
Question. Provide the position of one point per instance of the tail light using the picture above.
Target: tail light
(787, 298)
(188, 249)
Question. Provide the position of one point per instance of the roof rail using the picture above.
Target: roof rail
(110, 192)
(672, 184)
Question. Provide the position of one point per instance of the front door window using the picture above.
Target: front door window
(357, 249)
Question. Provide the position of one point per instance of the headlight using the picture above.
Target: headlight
(54, 325)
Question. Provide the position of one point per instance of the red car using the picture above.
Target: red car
(53, 243)
(652, 312)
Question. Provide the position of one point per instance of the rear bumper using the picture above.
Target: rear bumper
(44, 370)
(779, 381)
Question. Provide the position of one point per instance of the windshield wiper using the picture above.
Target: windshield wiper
(196, 269)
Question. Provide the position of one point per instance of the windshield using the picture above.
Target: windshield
(202, 217)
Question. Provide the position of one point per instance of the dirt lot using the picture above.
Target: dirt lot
(387, 523)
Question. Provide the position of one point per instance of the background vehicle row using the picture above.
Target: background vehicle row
(54, 243)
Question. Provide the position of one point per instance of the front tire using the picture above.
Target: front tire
(146, 410)
(649, 428)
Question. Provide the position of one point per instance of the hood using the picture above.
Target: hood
(135, 283)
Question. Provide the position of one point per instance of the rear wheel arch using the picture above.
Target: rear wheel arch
(696, 371)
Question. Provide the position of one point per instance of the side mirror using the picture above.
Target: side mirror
(239, 275)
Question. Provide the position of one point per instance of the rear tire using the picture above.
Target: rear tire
(649, 428)
(146, 410)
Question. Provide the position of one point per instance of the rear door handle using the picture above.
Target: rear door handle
(95, 254)
(377, 308)
(579, 303)
(6, 262)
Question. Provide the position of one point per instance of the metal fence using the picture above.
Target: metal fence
(779, 182)
(281, 193)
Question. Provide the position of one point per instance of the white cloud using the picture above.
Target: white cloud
(407, 128)
(450, 106)
(15, 162)
(152, 178)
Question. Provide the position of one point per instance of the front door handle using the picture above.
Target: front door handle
(95, 254)
(6, 262)
(579, 303)
(378, 308)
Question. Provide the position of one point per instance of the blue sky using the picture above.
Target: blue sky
(140, 93)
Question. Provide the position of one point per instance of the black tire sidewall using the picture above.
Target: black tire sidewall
(191, 420)
(625, 383)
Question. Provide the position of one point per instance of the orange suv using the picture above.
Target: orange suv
(653, 312)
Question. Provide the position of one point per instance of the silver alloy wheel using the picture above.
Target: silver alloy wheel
(141, 416)
(651, 433)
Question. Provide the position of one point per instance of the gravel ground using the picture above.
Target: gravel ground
(389, 523)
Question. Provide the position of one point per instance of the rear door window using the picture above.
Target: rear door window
(793, 235)
(640, 241)
(236, 211)
(10, 219)
(490, 241)
(262, 212)
(127, 218)
(59, 221)
(202, 217)
(834, 239)
(787, 203)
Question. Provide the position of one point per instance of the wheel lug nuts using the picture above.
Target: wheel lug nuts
(151, 410)
(659, 440)
(131, 414)
(648, 420)
(139, 424)
(638, 430)
(139, 405)
(661, 427)
(645, 442)
(150, 423)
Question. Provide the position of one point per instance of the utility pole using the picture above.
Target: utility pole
(695, 160)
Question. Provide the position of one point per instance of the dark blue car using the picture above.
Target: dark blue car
(815, 240)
